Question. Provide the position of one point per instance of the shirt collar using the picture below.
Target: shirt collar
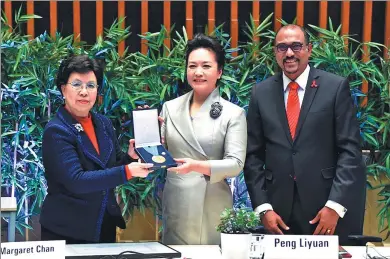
(301, 79)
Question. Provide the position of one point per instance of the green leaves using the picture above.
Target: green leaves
(238, 221)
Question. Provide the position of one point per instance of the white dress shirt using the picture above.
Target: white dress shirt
(302, 82)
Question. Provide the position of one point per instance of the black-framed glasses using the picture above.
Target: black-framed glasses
(78, 85)
(296, 47)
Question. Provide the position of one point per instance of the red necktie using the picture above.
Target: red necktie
(293, 107)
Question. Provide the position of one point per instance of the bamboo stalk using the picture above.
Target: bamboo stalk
(15, 157)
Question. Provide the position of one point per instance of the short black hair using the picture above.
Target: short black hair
(79, 64)
(202, 41)
(305, 34)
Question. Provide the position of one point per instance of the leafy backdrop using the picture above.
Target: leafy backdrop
(29, 99)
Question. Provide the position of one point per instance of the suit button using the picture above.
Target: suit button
(294, 153)
(104, 192)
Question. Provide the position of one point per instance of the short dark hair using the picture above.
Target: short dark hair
(79, 64)
(202, 41)
(305, 34)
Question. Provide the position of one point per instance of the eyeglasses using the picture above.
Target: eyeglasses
(78, 86)
(296, 47)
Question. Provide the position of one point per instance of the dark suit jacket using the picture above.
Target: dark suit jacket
(325, 156)
(80, 181)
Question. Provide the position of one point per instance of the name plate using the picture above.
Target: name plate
(33, 249)
(301, 247)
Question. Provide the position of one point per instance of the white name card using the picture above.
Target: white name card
(33, 249)
(301, 247)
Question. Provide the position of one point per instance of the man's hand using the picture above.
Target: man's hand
(327, 221)
(272, 221)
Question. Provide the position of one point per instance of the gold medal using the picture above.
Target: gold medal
(158, 159)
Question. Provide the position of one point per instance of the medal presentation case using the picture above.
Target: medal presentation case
(148, 140)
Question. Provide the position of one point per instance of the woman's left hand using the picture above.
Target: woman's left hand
(187, 165)
(131, 150)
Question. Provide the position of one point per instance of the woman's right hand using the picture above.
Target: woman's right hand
(139, 169)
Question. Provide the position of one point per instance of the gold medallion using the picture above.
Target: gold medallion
(158, 159)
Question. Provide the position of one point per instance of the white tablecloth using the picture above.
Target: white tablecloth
(206, 251)
(212, 252)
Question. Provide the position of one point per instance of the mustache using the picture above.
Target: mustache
(290, 58)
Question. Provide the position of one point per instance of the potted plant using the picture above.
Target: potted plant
(235, 229)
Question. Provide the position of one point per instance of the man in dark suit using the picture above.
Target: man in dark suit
(304, 169)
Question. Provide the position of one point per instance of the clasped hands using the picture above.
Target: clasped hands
(326, 218)
(138, 169)
(185, 165)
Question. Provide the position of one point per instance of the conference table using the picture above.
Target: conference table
(213, 251)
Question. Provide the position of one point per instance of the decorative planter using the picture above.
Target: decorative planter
(236, 246)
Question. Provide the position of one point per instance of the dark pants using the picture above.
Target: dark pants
(107, 234)
(299, 224)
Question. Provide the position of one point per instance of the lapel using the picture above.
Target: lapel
(308, 98)
(280, 106)
(104, 142)
(180, 115)
(106, 146)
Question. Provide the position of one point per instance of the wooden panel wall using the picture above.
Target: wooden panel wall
(211, 16)
(189, 19)
(387, 28)
(367, 24)
(8, 13)
(234, 24)
(256, 15)
(211, 19)
(30, 23)
(167, 21)
(76, 20)
(323, 18)
(144, 24)
(121, 15)
(189, 23)
(53, 18)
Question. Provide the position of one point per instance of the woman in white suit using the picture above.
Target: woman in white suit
(207, 136)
